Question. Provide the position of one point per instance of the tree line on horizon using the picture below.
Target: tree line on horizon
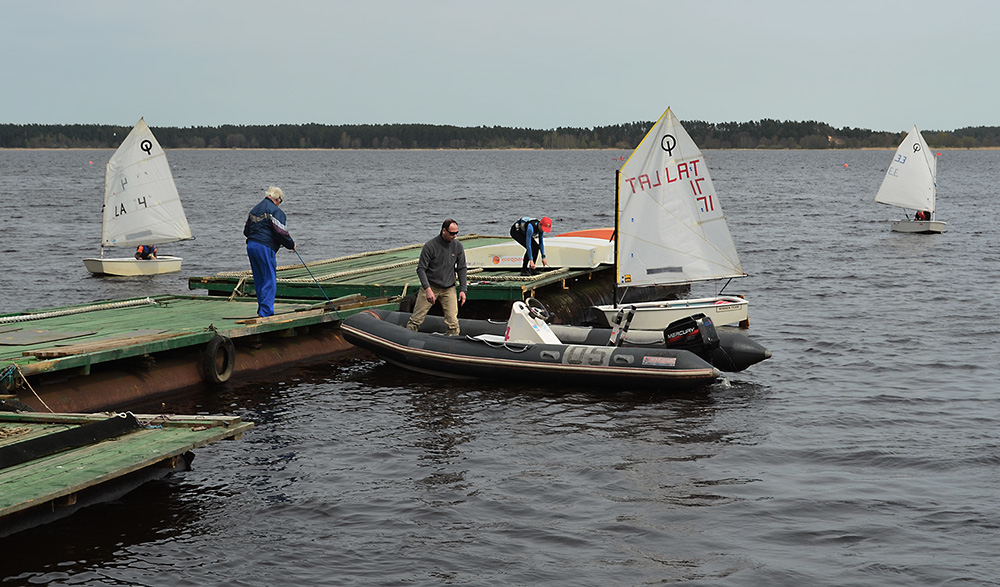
(761, 134)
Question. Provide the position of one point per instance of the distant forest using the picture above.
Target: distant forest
(762, 134)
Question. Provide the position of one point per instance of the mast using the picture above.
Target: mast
(614, 235)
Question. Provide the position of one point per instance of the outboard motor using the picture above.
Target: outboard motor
(694, 333)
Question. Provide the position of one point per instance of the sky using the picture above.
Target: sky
(543, 64)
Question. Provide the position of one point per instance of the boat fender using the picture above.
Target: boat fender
(218, 359)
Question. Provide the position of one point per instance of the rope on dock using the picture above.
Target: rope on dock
(325, 261)
(114, 305)
(345, 258)
(349, 272)
(543, 275)
(238, 289)
(26, 382)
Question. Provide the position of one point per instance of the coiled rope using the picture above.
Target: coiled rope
(329, 261)
(69, 311)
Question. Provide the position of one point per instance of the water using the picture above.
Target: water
(864, 453)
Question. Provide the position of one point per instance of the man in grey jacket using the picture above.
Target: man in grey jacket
(440, 260)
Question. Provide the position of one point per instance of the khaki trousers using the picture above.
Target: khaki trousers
(447, 297)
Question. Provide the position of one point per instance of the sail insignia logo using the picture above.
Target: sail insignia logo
(667, 143)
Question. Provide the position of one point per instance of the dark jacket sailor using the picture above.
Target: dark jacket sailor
(145, 252)
(530, 233)
(266, 233)
(440, 260)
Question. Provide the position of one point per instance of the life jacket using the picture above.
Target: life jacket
(145, 251)
(522, 224)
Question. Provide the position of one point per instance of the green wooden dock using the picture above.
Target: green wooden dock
(112, 354)
(392, 273)
(51, 465)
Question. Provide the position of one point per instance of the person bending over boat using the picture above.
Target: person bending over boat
(440, 260)
(528, 232)
(145, 252)
(266, 233)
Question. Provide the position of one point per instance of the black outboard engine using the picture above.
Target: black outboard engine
(695, 333)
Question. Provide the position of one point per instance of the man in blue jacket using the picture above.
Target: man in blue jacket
(266, 233)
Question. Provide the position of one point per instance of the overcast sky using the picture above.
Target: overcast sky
(881, 65)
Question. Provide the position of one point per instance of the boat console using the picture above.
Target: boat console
(527, 325)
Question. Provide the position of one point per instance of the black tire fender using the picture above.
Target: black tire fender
(218, 359)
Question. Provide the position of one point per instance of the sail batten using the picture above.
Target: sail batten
(669, 215)
(910, 180)
(141, 203)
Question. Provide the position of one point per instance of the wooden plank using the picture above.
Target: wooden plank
(23, 486)
(281, 318)
(112, 342)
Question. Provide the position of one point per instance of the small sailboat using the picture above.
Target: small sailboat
(141, 207)
(670, 230)
(911, 183)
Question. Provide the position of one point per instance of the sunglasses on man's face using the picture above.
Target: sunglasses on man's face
(453, 233)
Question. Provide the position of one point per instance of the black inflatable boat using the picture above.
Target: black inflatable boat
(689, 353)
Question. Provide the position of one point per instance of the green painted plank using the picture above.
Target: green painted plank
(186, 320)
(57, 475)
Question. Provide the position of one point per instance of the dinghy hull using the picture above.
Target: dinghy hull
(130, 267)
(918, 226)
(658, 315)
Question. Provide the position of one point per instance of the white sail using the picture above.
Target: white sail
(671, 228)
(911, 180)
(141, 204)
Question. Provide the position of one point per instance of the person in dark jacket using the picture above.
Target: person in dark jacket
(441, 259)
(529, 233)
(145, 252)
(266, 233)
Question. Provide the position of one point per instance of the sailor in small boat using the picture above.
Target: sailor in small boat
(145, 252)
(266, 233)
(922, 215)
(440, 260)
(529, 233)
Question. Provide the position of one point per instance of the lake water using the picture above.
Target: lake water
(865, 452)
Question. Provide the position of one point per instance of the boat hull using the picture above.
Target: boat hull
(574, 364)
(918, 226)
(130, 267)
(658, 315)
(584, 358)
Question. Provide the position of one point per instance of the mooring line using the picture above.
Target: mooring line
(114, 305)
